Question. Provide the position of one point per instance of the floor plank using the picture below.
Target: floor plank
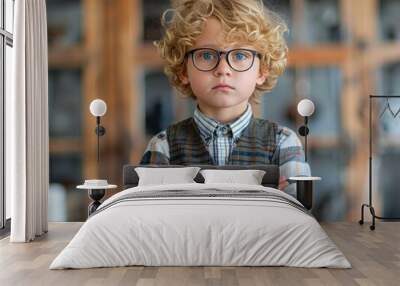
(374, 255)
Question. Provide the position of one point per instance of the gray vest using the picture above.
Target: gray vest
(256, 145)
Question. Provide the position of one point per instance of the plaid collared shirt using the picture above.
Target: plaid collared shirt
(291, 156)
(220, 138)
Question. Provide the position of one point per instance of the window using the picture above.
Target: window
(6, 44)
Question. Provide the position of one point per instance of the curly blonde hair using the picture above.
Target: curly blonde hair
(246, 21)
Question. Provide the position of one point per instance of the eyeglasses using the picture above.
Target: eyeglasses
(206, 59)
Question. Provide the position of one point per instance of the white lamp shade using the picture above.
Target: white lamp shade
(305, 107)
(98, 107)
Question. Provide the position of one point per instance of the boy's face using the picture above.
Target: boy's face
(222, 87)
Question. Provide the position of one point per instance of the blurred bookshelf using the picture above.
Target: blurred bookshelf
(339, 52)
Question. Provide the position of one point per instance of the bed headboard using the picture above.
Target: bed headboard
(271, 178)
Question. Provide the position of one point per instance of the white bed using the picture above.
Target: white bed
(223, 225)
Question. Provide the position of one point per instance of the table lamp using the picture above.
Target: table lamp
(96, 188)
(304, 184)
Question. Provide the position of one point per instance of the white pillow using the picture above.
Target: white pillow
(248, 177)
(163, 176)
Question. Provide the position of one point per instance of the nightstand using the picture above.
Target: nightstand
(304, 189)
(96, 192)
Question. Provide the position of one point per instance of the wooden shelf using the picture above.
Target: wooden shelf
(66, 57)
(65, 145)
(383, 53)
(324, 142)
(147, 56)
(321, 55)
(299, 56)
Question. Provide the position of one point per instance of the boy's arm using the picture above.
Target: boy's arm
(291, 158)
(157, 151)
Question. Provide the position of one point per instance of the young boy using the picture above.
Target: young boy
(224, 53)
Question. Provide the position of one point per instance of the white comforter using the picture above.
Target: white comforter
(187, 230)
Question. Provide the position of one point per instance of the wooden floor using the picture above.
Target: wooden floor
(374, 255)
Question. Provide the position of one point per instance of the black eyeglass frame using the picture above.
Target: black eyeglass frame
(219, 53)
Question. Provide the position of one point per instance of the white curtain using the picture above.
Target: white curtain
(27, 137)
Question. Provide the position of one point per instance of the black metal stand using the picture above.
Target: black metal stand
(96, 195)
(100, 131)
(304, 191)
(303, 131)
(304, 188)
(369, 205)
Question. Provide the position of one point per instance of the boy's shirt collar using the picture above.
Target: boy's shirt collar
(210, 128)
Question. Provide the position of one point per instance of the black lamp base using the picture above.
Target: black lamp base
(305, 193)
(96, 195)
